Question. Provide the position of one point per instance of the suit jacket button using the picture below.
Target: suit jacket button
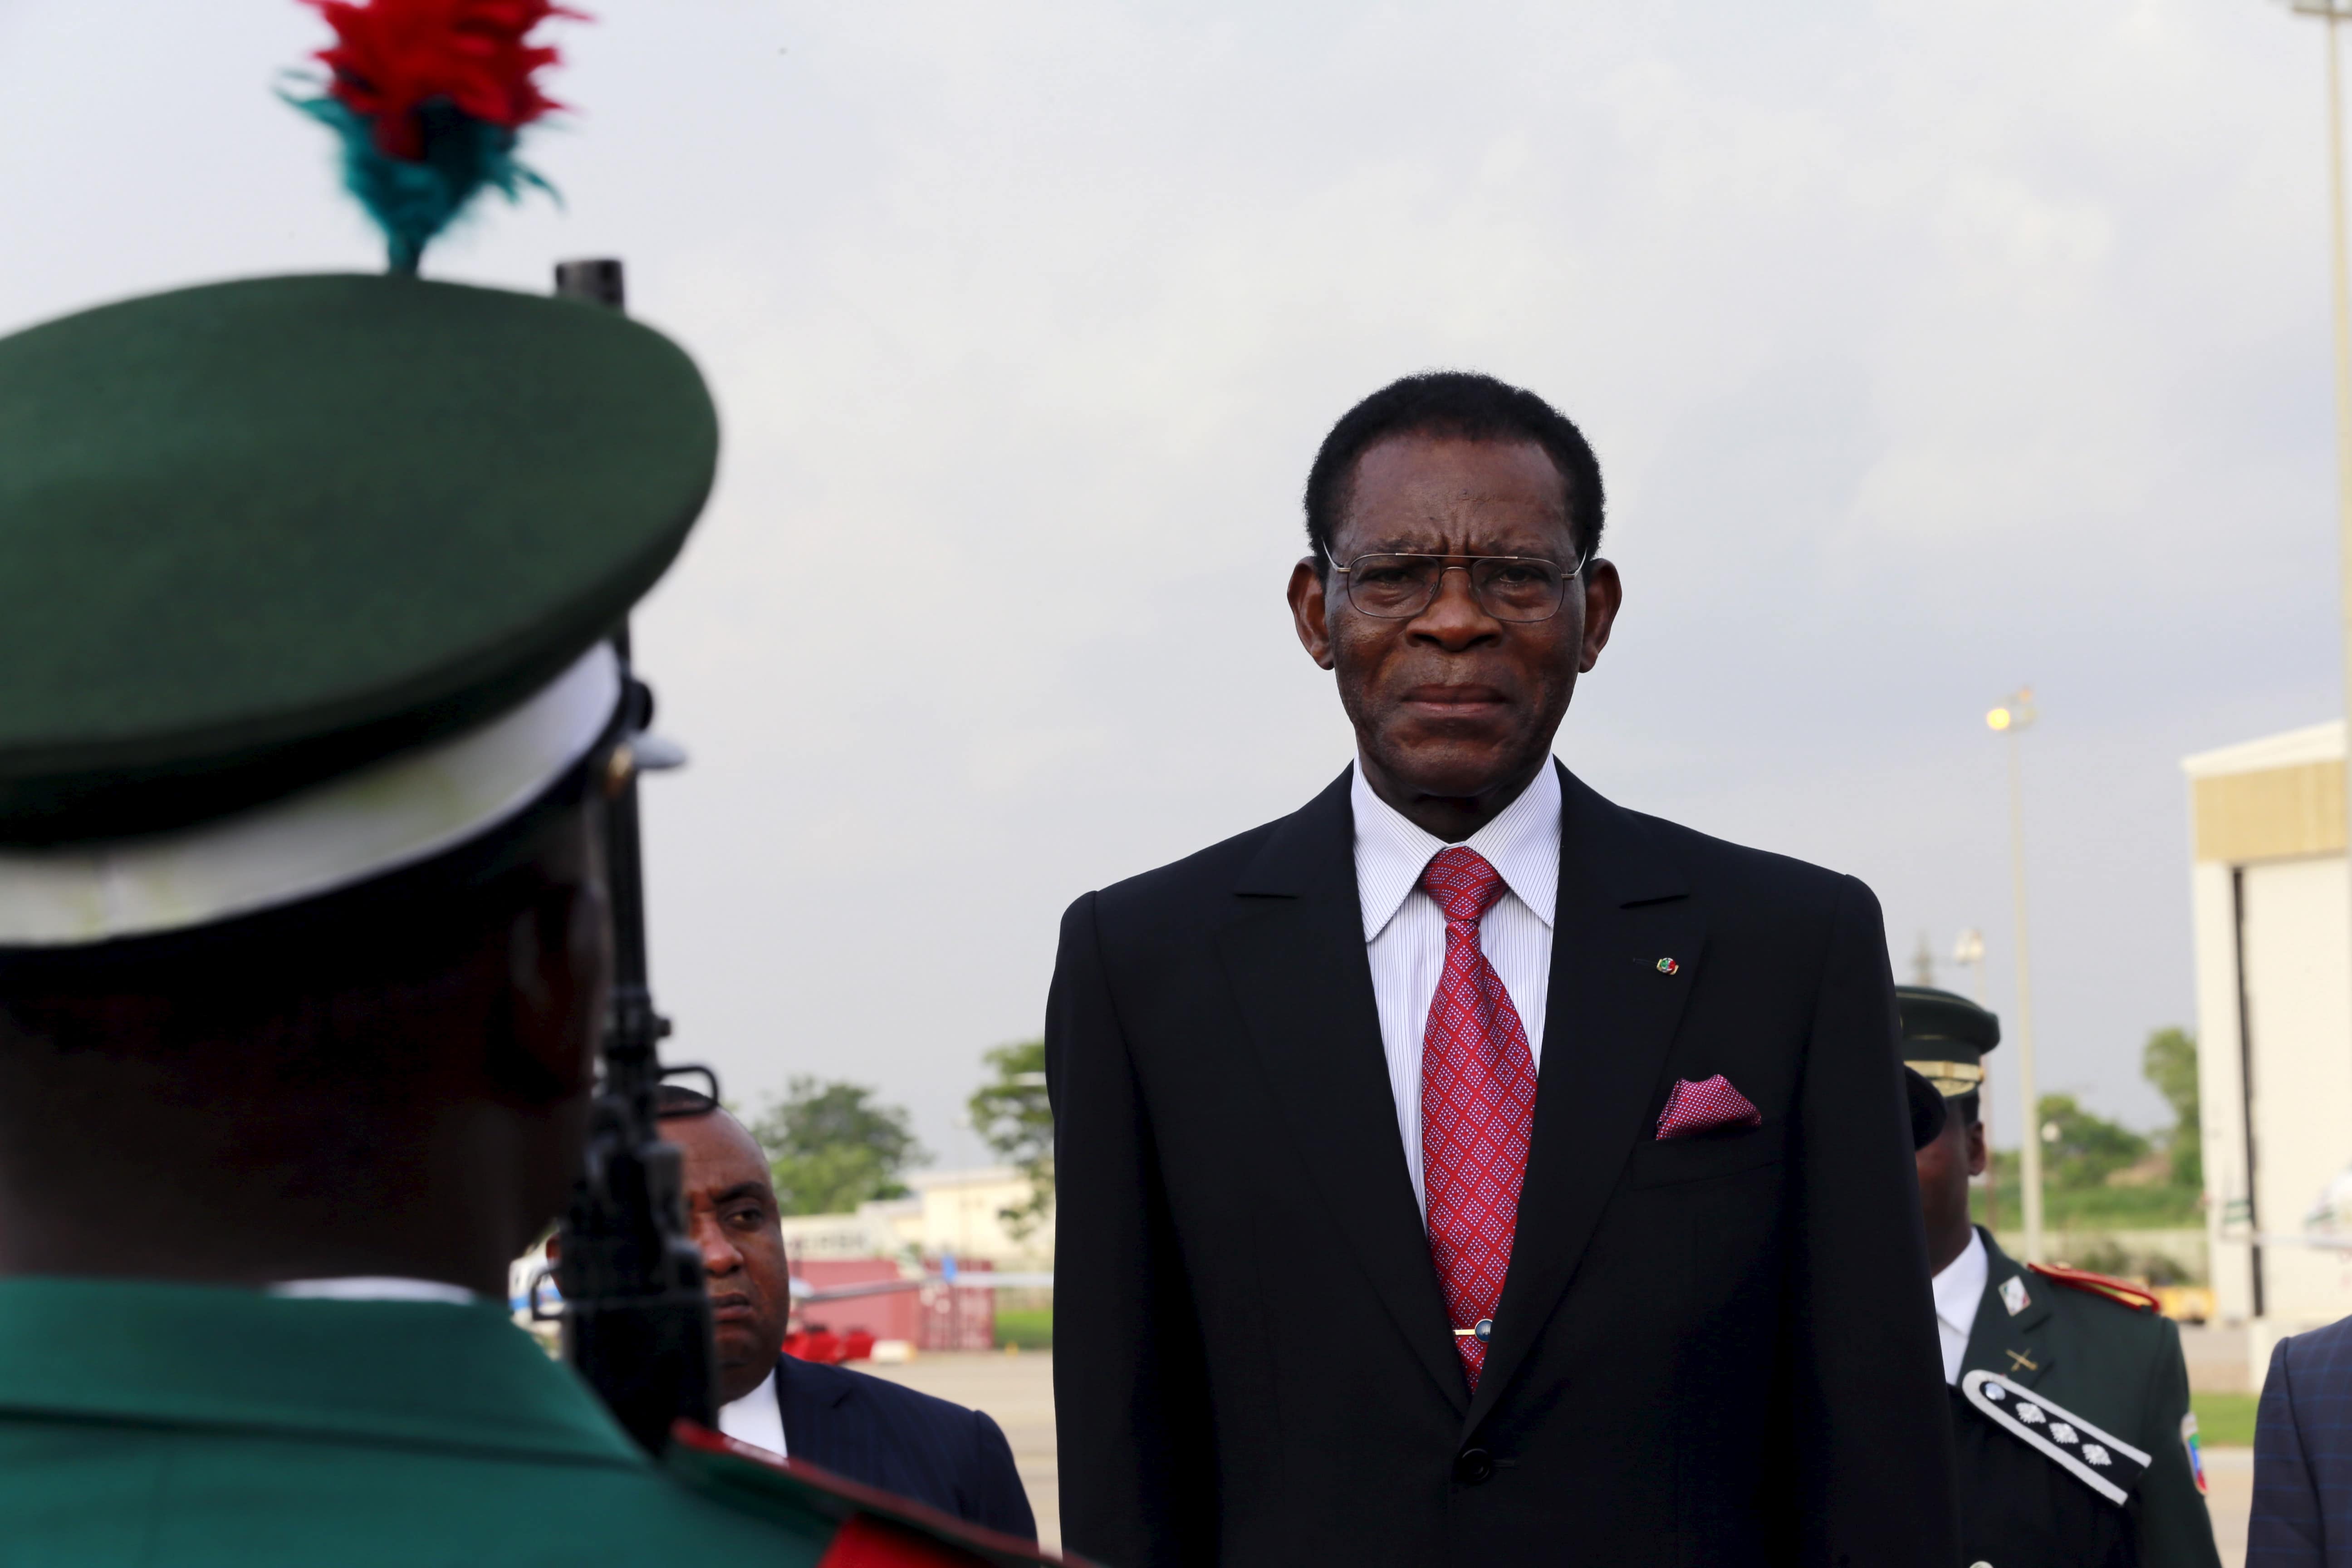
(1473, 1465)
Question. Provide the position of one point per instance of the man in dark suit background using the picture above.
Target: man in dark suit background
(1465, 1169)
(853, 1424)
(2301, 1516)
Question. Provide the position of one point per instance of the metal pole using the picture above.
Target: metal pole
(2340, 292)
(2030, 1150)
(636, 1317)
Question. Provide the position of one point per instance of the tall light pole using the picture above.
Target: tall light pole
(2010, 720)
(2340, 294)
(1968, 951)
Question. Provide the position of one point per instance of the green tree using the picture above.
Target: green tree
(830, 1147)
(2081, 1149)
(2168, 1061)
(1012, 1116)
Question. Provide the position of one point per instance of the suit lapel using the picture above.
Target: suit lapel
(1609, 1015)
(806, 1430)
(2011, 1343)
(1294, 955)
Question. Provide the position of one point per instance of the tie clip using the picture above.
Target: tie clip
(1483, 1330)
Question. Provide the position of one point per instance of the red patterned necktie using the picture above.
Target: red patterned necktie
(1477, 1107)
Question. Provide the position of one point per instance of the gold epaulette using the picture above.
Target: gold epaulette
(2120, 1291)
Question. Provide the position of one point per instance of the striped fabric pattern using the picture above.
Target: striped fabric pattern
(1404, 930)
(866, 1429)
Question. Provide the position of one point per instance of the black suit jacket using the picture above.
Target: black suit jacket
(1715, 1350)
(872, 1430)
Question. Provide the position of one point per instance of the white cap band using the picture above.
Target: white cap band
(393, 813)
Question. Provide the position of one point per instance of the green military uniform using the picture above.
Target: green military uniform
(192, 1425)
(307, 583)
(2117, 1366)
(2123, 1483)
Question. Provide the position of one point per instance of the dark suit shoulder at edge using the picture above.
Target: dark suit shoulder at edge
(1705, 860)
(830, 1384)
(2329, 1343)
(1212, 872)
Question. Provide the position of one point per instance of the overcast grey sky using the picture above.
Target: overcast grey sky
(1927, 350)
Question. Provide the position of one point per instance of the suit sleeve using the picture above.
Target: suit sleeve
(1138, 1470)
(2284, 1529)
(993, 1484)
(1873, 1457)
(2175, 1531)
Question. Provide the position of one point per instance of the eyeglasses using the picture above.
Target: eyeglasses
(1508, 587)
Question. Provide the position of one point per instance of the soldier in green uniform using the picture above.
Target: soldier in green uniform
(310, 715)
(2070, 1398)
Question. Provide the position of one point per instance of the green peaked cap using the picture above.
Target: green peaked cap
(1945, 1037)
(259, 534)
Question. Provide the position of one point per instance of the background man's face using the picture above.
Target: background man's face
(1454, 703)
(730, 1209)
(1945, 1167)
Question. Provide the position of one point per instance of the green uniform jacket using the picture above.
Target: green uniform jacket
(186, 1426)
(2118, 1367)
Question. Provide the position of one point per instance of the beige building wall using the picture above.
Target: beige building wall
(962, 1214)
(950, 1214)
(2272, 919)
(2298, 982)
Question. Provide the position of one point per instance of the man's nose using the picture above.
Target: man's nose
(718, 1254)
(1454, 618)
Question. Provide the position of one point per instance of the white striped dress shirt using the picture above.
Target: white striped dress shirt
(1404, 930)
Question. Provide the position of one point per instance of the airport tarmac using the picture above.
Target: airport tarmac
(1014, 1387)
(1018, 1389)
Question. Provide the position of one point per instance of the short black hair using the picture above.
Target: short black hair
(1966, 1108)
(1460, 403)
(275, 1020)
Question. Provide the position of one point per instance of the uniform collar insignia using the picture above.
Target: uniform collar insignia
(2013, 1295)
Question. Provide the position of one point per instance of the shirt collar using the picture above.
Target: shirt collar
(374, 1288)
(415, 1373)
(1960, 1288)
(1391, 851)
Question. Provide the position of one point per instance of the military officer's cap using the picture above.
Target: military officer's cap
(1945, 1037)
(1927, 1112)
(304, 579)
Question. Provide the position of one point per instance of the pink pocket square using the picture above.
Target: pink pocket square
(1704, 1106)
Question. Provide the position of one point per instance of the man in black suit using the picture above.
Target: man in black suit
(1465, 1169)
(855, 1425)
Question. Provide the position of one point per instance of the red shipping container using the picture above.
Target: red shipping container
(934, 1318)
(957, 1317)
(888, 1315)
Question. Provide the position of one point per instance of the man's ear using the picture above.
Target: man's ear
(1309, 611)
(1604, 595)
(554, 992)
(1977, 1148)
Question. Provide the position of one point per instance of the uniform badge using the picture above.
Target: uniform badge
(2101, 1461)
(2013, 1296)
(2196, 1456)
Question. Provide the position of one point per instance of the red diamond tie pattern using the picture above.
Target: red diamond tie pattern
(1477, 1106)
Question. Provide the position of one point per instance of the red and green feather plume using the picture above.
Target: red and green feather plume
(429, 98)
